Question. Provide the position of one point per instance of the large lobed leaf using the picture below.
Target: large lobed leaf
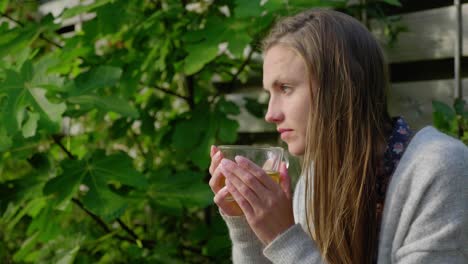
(26, 104)
(97, 172)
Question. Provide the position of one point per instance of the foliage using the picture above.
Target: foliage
(105, 133)
(451, 120)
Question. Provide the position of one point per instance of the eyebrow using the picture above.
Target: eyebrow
(277, 82)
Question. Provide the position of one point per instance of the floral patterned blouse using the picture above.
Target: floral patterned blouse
(397, 143)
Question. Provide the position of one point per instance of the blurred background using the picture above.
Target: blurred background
(109, 109)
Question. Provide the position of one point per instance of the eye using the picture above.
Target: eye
(285, 88)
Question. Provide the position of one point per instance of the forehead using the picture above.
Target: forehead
(282, 63)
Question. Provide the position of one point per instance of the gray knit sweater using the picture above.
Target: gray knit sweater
(425, 218)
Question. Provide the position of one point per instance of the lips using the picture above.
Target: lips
(284, 132)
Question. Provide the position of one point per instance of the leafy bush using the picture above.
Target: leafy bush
(451, 120)
(105, 133)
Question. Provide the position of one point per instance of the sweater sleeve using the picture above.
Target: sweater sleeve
(438, 225)
(246, 247)
(293, 246)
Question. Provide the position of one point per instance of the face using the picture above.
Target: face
(285, 79)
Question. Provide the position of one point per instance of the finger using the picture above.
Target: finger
(217, 179)
(213, 150)
(226, 207)
(285, 180)
(242, 201)
(247, 185)
(246, 178)
(215, 160)
(258, 172)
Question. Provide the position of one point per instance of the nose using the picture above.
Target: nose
(274, 113)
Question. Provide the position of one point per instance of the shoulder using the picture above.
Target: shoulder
(425, 208)
(432, 149)
(432, 160)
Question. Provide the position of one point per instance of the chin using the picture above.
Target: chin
(296, 150)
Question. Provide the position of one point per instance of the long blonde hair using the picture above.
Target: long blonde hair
(347, 123)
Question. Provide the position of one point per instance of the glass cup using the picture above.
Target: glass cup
(266, 157)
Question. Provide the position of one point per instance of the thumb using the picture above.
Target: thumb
(285, 180)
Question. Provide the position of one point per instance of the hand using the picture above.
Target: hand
(266, 205)
(217, 184)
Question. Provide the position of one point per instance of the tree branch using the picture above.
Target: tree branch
(146, 243)
(166, 91)
(191, 91)
(41, 35)
(100, 222)
(96, 218)
(12, 19)
(127, 229)
(57, 141)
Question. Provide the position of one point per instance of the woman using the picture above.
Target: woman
(371, 191)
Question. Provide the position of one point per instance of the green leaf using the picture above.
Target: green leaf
(27, 246)
(97, 173)
(444, 117)
(247, 8)
(29, 128)
(228, 107)
(21, 95)
(238, 42)
(185, 187)
(274, 6)
(102, 170)
(199, 155)
(199, 56)
(445, 110)
(228, 130)
(106, 104)
(17, 39)
(3, 5)
(102, 201)
(64, 186)
(80, 9)
(96, 78)
(216, 245)
(298, 5)
(116, 167)
(44, 77)
(52, 111)
(69, 256)
(202, 45)
(32, 206)
(187, 133)
(5, 140)
(255, 108)
(47, 223)
(12, 81)
(27, 71)
(459, 106)
(392, 2)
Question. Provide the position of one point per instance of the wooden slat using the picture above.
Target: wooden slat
(413, 100)
(431, 35)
